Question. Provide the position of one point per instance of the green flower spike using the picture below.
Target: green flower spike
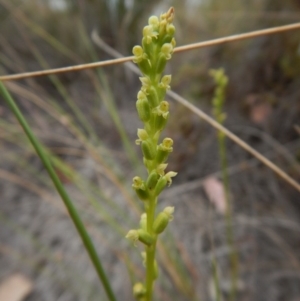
(157, 48)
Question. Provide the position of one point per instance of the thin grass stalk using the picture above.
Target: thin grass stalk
(228, 216)
(213, 260)
(221, 81)
(89, 246)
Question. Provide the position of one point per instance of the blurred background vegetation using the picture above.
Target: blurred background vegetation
(87, 121)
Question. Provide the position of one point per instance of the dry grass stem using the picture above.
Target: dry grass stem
(236, 139)
(214, 42)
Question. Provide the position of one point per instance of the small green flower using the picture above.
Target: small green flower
(139, 54)
(162, 109)
(166, 145)
(149, 32)
(154, 22)
(143, 109)
(138, 183)
(167, 50)
(161, 169)
(143, 135)
(165, 82)
(170, 29)
(133, 236)
(146, 84)
(139, 290)
(169, 177)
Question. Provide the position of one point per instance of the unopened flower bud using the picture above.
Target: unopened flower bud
(149, 150)
(143, 221)
(141, 235)
(161, 63)
(164, 55)
(160, 122)
(154, 22)
(170, 29)
(145, 66)
(145, 237)
(161, 184)
(152, 180)
(153, 97)
(170, 15)
(163, 219)
(162, 26)
(143, 109)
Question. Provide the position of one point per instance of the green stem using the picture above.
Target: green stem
(150, 252)
(62, 192)
(228, 215)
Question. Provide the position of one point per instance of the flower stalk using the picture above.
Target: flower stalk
(153, 110)
(221, 81)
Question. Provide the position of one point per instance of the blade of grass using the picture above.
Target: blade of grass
(58, 114)
(60, 189)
